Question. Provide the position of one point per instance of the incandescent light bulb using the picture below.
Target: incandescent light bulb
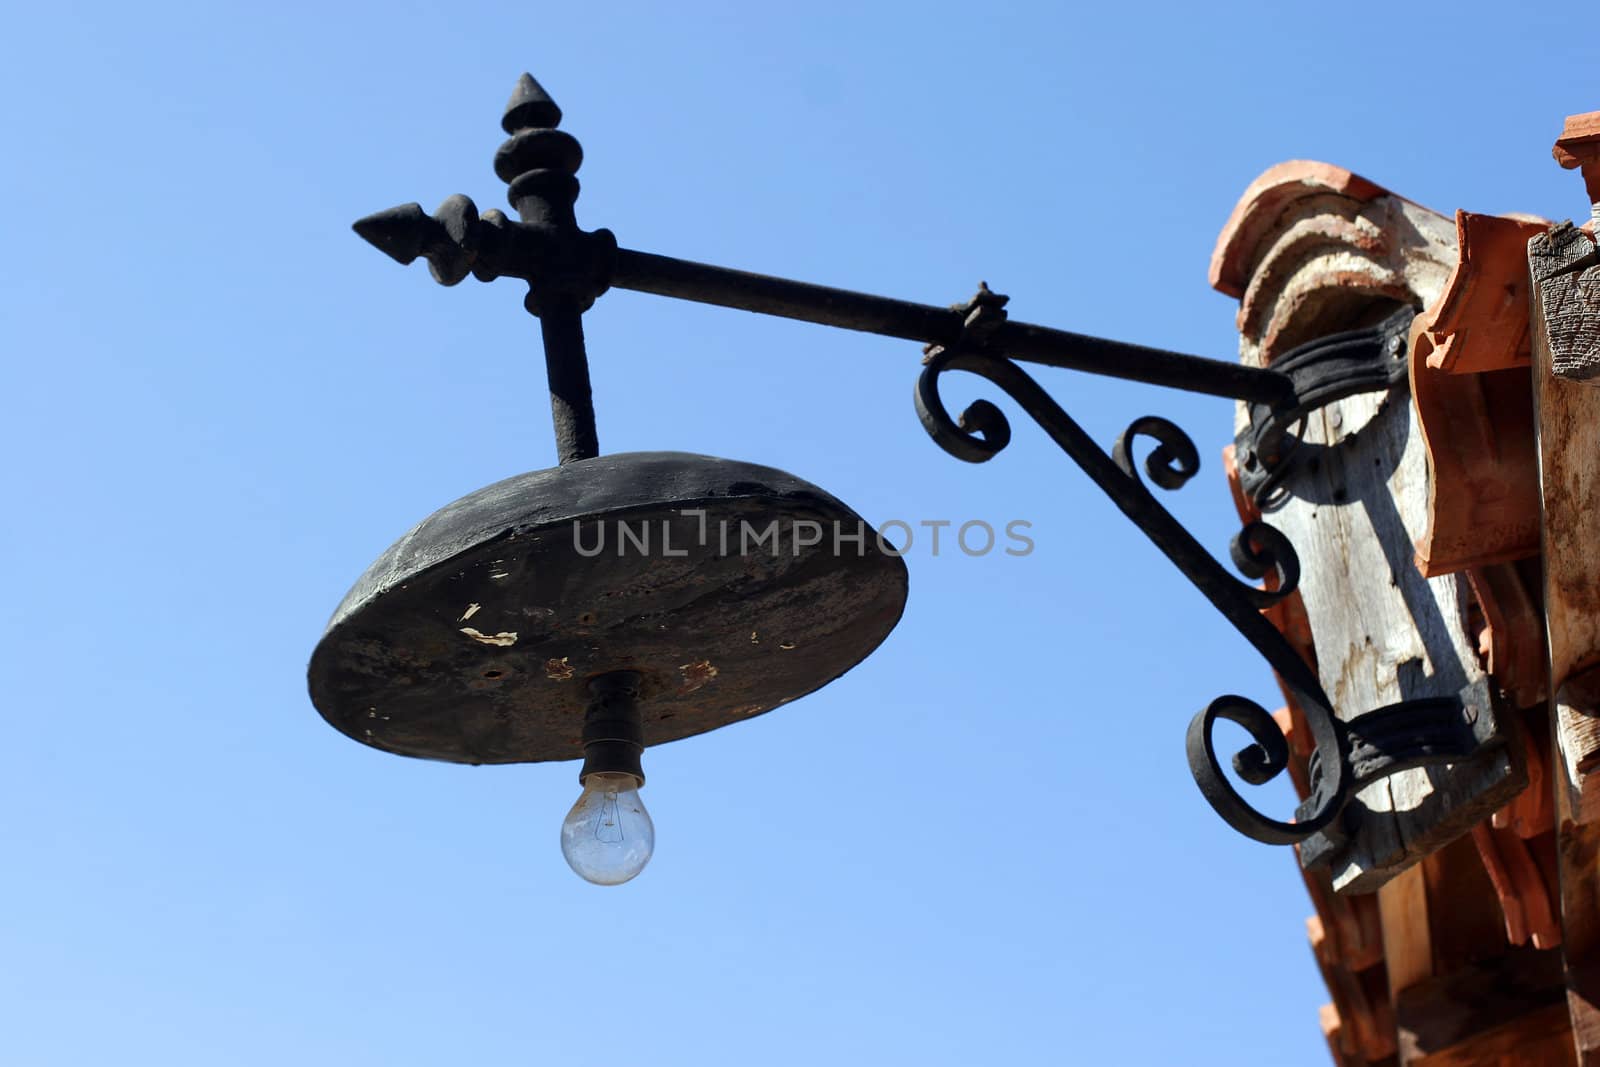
(608, 837)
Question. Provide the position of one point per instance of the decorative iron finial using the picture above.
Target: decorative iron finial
(566, 269)
(449, 239)
(539, 162)
(530, 107)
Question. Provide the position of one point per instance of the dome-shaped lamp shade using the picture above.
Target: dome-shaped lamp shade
(731, 588)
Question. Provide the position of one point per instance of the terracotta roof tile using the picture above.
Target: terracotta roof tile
(1579, 146)
(1261, 205)
(1480, 321)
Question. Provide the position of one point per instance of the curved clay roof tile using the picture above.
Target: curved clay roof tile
(1263, 204)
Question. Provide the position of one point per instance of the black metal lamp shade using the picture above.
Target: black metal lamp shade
(729, 587)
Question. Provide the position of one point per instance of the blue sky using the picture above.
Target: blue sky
(981, 844)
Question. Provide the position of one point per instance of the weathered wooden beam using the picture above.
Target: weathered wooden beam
(1407, 936)
(1579, 865)
(1353, 925)
(1566, 305)
(1361, 1009)
(1561, 264)
(1339, 1047)
(1467, 923)
(1537, 1039)
(1383, 631)
(1443, 931)
(1567, 413)
(1310, 250)
(1501, 1011)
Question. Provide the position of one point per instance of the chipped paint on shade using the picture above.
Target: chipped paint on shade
(697, 674)
(504, 640)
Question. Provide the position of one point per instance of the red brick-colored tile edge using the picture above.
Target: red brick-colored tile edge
(1480, 321)
(1579, 146)
(1262, 204)
(1525, 900)
(1483, 474)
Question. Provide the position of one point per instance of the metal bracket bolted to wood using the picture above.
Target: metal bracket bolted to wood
(1323, 371)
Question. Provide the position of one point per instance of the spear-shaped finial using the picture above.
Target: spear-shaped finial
(530, 107)
(402, 233)
(539, 162)
(448, 238)
(539, 165)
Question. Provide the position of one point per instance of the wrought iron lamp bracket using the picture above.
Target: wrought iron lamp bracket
(1348, 754)
(567, 269)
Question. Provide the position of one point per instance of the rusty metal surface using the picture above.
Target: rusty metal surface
(1324, 370)
(472, 639)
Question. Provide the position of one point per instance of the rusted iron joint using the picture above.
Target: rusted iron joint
(981, 317)
(567, 269)
(1415, 733)
(1399, 737)
(456, 241)
(1323, 371)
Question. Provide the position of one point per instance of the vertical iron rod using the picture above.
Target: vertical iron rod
(539, 165)
(567, 367)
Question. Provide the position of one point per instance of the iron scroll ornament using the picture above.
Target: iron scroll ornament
(1347, 754)
(983, 431)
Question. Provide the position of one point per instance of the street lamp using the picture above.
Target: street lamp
(507, 628)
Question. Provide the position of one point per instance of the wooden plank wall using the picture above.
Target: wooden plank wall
(1566, 344)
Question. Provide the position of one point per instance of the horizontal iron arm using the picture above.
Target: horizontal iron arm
(682, 279)
(566, 266)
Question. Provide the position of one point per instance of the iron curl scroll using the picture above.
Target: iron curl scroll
(982, 431)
